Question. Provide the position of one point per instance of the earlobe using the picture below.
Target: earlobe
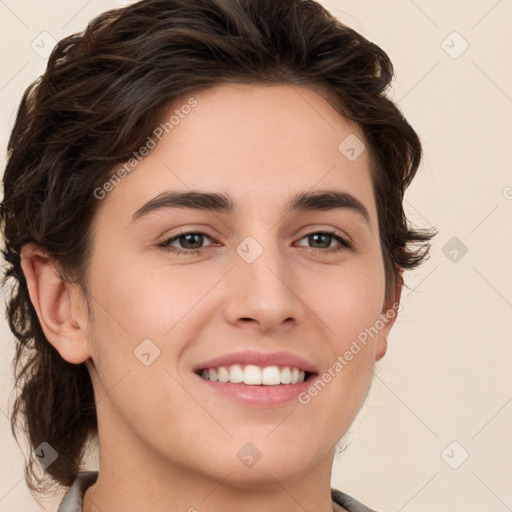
(388, 317)
(382, 348)
(51, 299)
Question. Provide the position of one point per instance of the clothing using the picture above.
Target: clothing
(72, 501)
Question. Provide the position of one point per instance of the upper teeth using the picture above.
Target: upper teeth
(254, 375)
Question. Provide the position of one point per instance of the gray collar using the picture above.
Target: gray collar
(73, 499)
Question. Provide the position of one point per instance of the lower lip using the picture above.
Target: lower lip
(259, 396)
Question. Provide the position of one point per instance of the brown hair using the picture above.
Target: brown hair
(98, 100)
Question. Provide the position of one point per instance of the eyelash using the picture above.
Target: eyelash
(192, 252)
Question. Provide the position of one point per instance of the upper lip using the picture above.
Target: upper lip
(259, 359)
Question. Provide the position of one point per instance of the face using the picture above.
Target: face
(174, 288)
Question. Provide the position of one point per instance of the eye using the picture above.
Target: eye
(324, 239)
(192, 242)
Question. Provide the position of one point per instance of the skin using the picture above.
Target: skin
(167, 443)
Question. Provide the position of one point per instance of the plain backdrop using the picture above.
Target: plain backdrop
(434, 433)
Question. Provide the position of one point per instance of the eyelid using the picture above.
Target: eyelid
(184, 230)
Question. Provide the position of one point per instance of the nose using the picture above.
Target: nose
(264, 294)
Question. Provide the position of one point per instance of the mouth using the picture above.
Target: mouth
(253, 375)
(257, 379)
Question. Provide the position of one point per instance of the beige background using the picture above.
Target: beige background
(447, 376)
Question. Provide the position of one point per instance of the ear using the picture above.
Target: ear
(62, 318)
(388, 317)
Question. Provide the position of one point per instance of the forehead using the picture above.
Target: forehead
(257, 143)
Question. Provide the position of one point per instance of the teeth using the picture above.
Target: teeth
(223, 374)
(253, 375)
(286, 375)
(270, 376)
(236, 374)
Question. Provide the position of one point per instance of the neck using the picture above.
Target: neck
(140, 484)
(135, 475)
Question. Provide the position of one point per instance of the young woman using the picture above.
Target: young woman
(205, 244)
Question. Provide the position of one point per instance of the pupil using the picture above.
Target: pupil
(186, 237)
(323, 235)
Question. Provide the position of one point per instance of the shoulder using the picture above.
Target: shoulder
(348, 502)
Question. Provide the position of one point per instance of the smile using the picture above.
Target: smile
(257, 379)
(253, 375)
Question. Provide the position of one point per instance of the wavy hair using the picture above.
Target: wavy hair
(101, 96)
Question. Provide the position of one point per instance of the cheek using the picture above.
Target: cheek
(149, 302)
(350, 299)
(137, 313)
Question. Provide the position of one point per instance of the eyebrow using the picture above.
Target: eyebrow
(223, 203)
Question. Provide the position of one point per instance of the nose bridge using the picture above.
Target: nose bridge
(261, 286)
(266, 273)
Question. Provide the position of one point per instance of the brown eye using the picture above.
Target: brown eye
(190, 243)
